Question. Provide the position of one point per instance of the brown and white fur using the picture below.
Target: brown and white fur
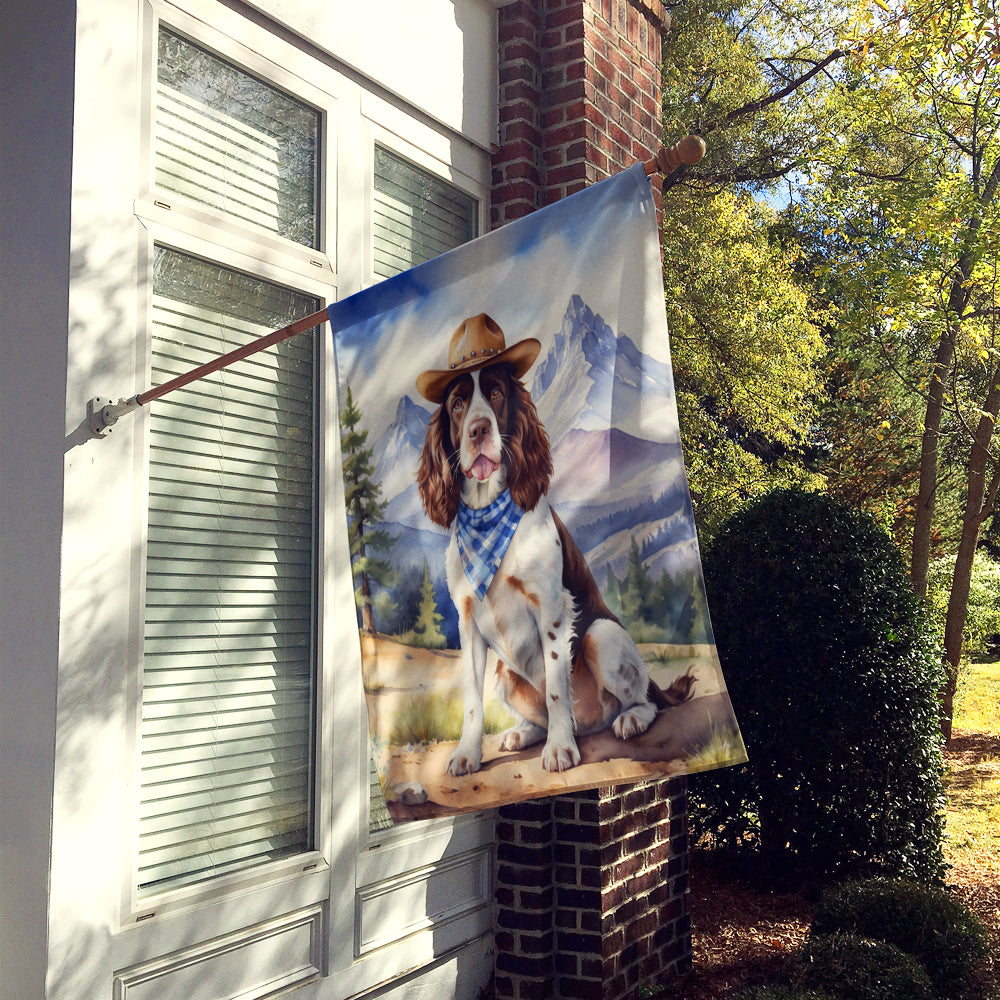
(566, 665)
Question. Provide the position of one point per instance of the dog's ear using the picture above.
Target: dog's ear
(529, 459)
(437, 480)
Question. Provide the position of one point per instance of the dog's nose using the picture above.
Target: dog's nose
(479, 430)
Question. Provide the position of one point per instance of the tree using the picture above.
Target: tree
(914, 186)
(427, 630)
(745, 76)
(365, 509)
(833, 667)
(747, 355)
(745, 349)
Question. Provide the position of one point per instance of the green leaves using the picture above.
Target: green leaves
(833, 675)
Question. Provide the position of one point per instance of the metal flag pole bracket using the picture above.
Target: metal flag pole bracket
(103, 413)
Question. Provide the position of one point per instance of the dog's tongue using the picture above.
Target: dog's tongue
(482, 468)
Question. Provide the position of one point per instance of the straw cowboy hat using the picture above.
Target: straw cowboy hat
(478, 342)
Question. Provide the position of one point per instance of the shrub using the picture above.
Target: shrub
(833, 674)
(925, 922)
(856, 968)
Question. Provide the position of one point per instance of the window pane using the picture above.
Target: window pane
(417, 215)
(228, 140)
(228, 658)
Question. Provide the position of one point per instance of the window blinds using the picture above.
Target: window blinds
(225, 139)
(227, 681)
(416, 215)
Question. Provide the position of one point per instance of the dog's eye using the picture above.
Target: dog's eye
(496, 393)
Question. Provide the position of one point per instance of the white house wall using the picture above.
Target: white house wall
(36, 115)
(73, 290)
(398, 41)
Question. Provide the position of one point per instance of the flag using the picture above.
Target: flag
(531, 606)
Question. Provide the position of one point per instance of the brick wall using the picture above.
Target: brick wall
(591, 893)
(591, 888)
(579, 96)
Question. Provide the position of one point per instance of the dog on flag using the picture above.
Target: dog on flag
(566, 666)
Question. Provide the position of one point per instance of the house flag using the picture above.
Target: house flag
(531, 608)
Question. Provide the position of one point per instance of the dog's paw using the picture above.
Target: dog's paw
(633, 721)
(463, 762)
(520, 736)
(560, 757)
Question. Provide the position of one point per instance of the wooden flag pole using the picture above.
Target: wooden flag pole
(687, 152)
(103, 413)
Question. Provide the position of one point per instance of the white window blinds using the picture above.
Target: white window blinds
(228, 677)
(416, 215)
(230, 141)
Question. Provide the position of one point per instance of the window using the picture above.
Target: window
(416, 215)
(229, 647)
(227, 140)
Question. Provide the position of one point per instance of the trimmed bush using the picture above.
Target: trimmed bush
(856, 968)
(925, 922)
(833, 673)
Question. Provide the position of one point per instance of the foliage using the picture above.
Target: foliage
(856, 968)
(427, 630)
(782, 992)
(433, 717)
(878, 126)
(833, 672)
(912, 192)
(926, 922)
(746, 354)
(365, 508)
(983, 614)
(746, 76)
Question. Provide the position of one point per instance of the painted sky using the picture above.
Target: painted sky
(523, 276)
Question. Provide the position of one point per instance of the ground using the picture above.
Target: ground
(415, 708)
(741, 935)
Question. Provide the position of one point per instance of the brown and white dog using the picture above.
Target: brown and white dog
(566, 665)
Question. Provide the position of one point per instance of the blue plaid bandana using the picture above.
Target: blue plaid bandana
(483, 536)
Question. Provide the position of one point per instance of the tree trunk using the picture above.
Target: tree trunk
(979, 503)
(920, 553)
(958, 300)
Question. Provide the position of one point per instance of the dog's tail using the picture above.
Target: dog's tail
(680, 691)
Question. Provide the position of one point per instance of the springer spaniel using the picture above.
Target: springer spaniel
(566, 665)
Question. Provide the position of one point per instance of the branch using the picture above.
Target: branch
(754, 106)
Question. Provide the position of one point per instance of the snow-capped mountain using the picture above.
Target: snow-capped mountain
(609, 485)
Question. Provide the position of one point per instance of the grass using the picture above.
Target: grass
(432, 717)
(972, 848)
(973, 783)
(978, 697)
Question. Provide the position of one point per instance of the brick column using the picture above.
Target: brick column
(579, 96)
(591, 888)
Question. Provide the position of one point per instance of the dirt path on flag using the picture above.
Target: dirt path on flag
(424, 686)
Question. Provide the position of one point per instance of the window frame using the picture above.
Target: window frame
(177, 223)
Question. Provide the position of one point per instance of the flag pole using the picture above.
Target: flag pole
(103, 413)
(687, 152)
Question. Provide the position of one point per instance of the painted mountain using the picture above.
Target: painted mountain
(615, 488)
